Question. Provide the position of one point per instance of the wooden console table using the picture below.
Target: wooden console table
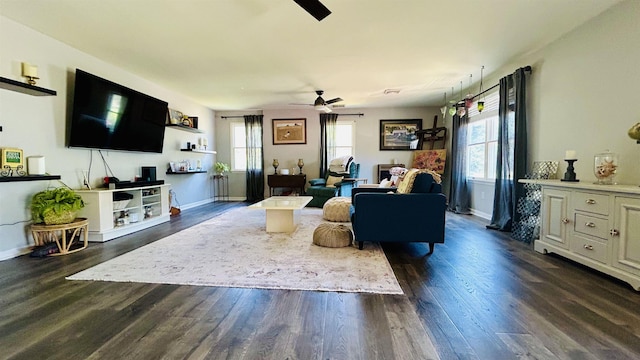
(43, 234)
(287, 181)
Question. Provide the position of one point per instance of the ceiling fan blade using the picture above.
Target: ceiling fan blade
(315, 8)
(333, 101)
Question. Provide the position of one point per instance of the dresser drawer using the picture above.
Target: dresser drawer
(593, 203)
(592, 249)
(591, 225)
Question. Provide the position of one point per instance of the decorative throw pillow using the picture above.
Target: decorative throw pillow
(406, 184)
(332, 180)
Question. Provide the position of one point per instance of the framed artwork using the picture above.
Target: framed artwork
(399, 134)
(430, 159)
(289, 131)
(193, 122)
(11, 159)
(175, 116)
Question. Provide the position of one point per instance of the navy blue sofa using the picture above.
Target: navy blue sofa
(418, 216)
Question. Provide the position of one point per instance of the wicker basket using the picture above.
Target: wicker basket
(51, 218)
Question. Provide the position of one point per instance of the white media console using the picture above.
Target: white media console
(109, 219)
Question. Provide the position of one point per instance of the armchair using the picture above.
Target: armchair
(322, 192)
(417, 215)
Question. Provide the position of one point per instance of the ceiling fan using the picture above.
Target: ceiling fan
(315, 8)
(321, 104)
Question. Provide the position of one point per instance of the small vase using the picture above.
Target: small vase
(605, 167)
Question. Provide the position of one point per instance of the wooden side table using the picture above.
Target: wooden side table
(43, 234)
(287, 181)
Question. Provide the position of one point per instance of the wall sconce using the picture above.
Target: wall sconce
(30, 72)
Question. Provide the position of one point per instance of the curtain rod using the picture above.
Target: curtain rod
(526, 68)
(242, 116)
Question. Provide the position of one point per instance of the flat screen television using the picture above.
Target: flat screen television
(110, 116)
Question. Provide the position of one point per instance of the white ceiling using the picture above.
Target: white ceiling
(260, 54)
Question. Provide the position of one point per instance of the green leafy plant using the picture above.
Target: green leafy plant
(55, 206)
(221, 167)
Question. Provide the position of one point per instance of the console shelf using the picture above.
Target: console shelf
(149, 206)
(17, 86)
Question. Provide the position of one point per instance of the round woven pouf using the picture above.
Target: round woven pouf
(332, 235)
(337, 209)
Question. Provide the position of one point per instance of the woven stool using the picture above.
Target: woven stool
(337, 209)
(332, 235)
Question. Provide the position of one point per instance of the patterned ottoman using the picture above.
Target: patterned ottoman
(337, 209)
(332, 235)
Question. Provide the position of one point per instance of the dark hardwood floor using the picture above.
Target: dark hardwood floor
(479, 296)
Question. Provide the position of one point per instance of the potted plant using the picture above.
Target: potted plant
(221, 168)
(55, 206)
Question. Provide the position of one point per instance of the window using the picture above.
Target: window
(482, 140)
(238, 147)
(345, 138)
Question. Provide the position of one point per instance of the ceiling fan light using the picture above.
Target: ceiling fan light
(318, 107)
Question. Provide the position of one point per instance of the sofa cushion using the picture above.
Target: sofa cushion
(406, 184)
(332, 180)
(415, 182)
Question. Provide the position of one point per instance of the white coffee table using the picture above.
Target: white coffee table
(283, 212)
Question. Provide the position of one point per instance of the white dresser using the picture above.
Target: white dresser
(595, 225)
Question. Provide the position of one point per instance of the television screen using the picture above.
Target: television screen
(111, 116)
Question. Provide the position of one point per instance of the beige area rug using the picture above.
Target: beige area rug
(234, 250)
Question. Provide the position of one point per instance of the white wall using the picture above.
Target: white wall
(38, 125)
(367, 143)
(582, 95)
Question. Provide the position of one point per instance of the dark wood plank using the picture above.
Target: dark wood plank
(480, 295)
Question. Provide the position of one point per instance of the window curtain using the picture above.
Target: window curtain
(255, 158)
(512, 159)
(327, 141)
(459, 194)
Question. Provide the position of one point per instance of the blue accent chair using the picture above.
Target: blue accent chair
(321, 192)
(418, 216)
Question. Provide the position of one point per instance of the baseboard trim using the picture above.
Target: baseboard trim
(481, 214)
(13, 253)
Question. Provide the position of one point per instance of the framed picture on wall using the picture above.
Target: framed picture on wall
(289, 131)
(399, 134)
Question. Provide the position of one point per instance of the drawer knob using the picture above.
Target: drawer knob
(590, 224)
(614, 232)
(588, 247)
(590, 201)
(565, 220)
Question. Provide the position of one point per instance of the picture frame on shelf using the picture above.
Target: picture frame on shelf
(11, 157)
(174, 116)
(399, 134)
(289, 131)
(194, 121)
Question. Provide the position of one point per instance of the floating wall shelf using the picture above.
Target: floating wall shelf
(28, 178)
(184, 128)
(186, 172)
(200, 151)
(24, 88)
